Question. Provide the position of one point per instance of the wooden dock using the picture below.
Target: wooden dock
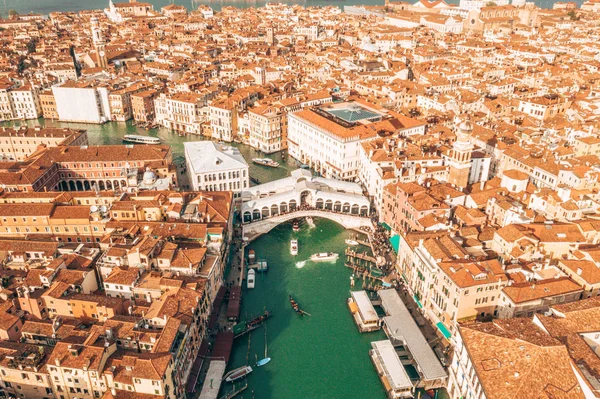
(360, 258)
(235, 392)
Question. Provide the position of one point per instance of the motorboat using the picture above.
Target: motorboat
(136, 138)
(262, 362)
(251, 256)
(295, 226)
(294, 247)
(265, 162)
(238, 373)
(324, 256)
(351, 242)
(251, 278)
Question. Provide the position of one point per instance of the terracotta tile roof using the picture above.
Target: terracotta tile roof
(531, 291)
(515, 359)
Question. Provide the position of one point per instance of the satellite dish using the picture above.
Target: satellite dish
(103, 208)
(93, 208)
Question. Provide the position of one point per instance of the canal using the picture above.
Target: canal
(318, 356)
(113, 132)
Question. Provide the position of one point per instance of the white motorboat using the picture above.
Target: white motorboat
(324, 256)
(351, 242)
(266, 162)
(251, 278)
(294, 247)
(136, 138)
(237, 373)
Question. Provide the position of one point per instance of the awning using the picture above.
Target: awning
(445, 332)
(386, 226)
(386, 383)
(353, 307)
(419, 304)
(395, 241)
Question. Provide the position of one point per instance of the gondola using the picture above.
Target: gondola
(296, 307)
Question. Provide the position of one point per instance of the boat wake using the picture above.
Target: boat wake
(300, 264)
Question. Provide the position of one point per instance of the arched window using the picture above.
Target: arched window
(274, 210)
(337, 206)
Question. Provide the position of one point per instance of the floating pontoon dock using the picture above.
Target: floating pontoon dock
(363, 311)
(390, 370)
(402, 330)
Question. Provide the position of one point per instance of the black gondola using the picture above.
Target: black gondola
(295, 306)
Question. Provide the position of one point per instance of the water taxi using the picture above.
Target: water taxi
(324, 256)
(351, 242)
(237, 373)
(294, 247)
(266, 162)
(251, 278)
(136, 138)
(251, 256)
(295, 226)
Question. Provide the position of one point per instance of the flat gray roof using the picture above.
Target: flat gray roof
(394, 370)
(365, 307)
(402, 327)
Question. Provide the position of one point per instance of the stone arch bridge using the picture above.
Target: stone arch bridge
(257, 228)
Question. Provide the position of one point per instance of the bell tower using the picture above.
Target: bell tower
(270, 36)
(99, 43)
(460, 155)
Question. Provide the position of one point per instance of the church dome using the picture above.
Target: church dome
(149, 177)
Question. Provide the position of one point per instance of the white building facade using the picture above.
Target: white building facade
(215, 167)
(81, 104)
(265, 129)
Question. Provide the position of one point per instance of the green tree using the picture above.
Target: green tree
(31, 46)
(21, 65)
(491, 4)
(573, 15)
(12, 13)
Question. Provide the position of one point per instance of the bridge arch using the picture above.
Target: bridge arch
(254, 229)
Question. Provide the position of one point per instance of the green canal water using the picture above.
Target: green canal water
(317, 356)
(113, 132)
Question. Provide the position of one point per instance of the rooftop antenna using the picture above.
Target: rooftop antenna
(5, 9)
